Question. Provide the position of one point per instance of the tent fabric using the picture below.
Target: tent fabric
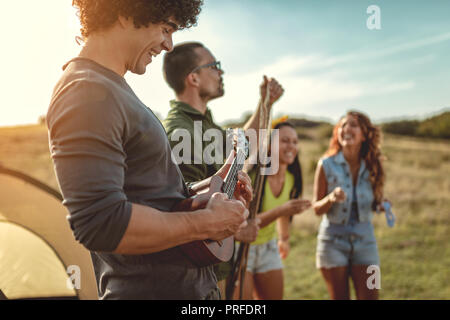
(27, 204)
(29, 268)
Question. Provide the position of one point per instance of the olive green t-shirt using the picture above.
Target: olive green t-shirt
(183, 116)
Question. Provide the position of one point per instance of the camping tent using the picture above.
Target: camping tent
(39, 256)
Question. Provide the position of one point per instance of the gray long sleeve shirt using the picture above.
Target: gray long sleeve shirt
(109, 150)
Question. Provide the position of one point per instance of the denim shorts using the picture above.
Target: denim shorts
(345, 250)
(264, 257)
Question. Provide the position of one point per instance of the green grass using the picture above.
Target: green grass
(415, 262)
(415, 255)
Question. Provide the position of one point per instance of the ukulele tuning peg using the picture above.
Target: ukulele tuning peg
(238, 139)
(231, 136)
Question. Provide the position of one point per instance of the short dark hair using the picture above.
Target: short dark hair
(98, 15)
(179, 63)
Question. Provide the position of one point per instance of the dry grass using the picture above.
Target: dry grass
(26, 149)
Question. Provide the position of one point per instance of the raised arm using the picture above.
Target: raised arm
(276, 91)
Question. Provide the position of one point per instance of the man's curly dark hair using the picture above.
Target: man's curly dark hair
(98, 15)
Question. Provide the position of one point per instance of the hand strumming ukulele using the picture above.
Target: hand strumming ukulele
(207, 252)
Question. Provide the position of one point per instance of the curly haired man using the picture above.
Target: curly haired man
(113, 160)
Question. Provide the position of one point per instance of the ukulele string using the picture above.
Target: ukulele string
(237, 165)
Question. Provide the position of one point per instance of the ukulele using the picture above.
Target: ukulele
(207, 252)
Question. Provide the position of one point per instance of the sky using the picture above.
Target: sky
(322, 53)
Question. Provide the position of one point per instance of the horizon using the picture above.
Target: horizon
(327, 59)
(297, 117)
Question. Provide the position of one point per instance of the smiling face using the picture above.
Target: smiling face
(145, 43)
(288, 145)
(210, 79)
(349, 133)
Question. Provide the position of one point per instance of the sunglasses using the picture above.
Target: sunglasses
(215, 65)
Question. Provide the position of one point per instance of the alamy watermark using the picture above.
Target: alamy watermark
(74, 280)
(374, 281)
(213, 153)
(374, 20)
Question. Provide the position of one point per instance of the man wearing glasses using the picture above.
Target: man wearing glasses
(193, 73)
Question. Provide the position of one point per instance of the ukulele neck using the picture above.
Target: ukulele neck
(232, 176)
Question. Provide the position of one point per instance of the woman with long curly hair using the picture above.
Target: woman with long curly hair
(348, 186)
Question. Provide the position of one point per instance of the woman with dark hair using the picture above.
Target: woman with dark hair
(348, 186)
(279, 202)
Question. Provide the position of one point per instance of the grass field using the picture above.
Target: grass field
(415, 255)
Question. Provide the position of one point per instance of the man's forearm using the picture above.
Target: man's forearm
(150, 230)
